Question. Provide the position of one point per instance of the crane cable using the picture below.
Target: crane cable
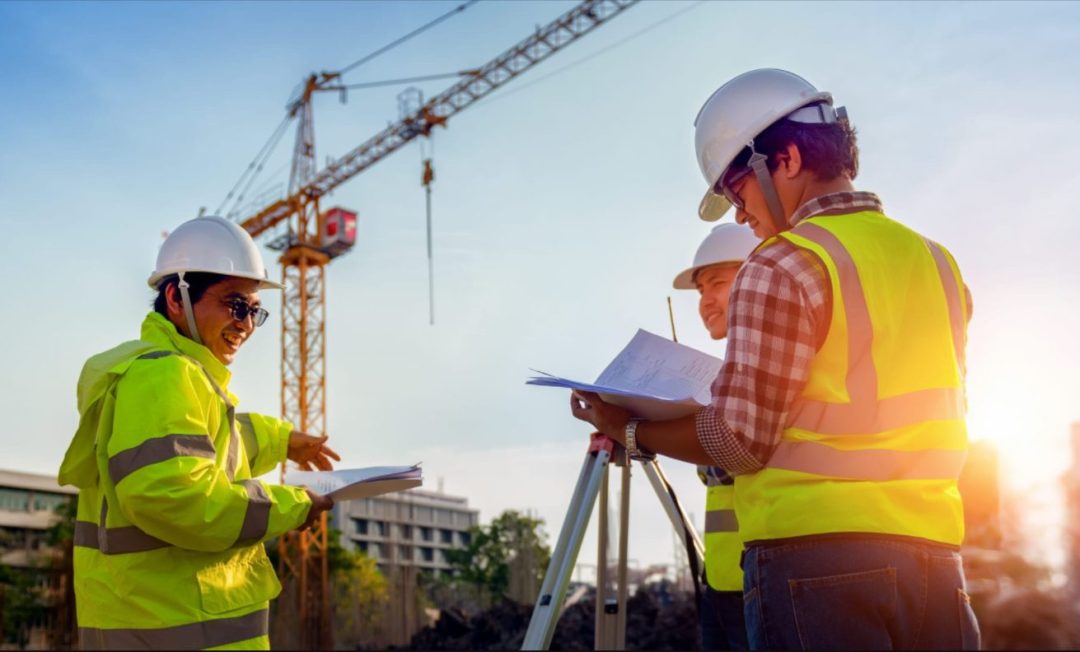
(256, 165)
(399, 41)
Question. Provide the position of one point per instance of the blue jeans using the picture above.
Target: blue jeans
(856, 592)
(721, 619)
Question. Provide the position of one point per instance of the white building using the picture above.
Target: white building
(409, 528)
(28, 504)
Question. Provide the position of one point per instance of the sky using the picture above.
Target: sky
(563, 206)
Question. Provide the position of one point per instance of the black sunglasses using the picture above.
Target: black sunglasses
(240, 310)
(725, 185)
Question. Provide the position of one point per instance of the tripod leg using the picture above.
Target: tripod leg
(557, 578)
(611, 599)
(679, 520)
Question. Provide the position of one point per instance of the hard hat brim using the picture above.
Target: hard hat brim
(713, 206)
(264, 283)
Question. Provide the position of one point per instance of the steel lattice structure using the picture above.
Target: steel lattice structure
(303, 343)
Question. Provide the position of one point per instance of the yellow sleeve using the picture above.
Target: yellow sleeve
(169, 473)
(266, 440)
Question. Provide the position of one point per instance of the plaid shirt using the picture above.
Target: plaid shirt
(781, 305)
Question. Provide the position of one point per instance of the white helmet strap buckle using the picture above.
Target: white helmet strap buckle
(759, 164)
(188, 312)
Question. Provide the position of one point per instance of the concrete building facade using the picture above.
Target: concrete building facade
(409, 528)
(28, 504)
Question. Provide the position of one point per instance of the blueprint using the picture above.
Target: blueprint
(350, 484)
(652, 377)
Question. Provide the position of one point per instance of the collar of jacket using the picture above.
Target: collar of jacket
(161, 332)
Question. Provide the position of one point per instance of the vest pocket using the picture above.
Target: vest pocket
(237, 583)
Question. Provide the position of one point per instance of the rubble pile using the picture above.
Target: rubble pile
(657, 619)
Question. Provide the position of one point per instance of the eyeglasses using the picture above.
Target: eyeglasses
(725, 185)
(240, 310)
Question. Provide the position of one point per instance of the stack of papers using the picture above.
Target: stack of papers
(652, 377)
(350, 484)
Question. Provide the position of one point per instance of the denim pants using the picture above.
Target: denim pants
(721, 619)
(856, 592)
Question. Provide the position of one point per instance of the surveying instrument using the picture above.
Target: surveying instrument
(610, 600)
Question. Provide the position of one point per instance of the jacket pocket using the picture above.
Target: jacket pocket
(237, 583)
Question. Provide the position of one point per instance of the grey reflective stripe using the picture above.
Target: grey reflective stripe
(117, 540)
(879, 416)
(230, 411)
(247, 434)
(872, 465)
(861, 376)
(157, 450)
(193, 636)
(257, 516)
(114, 540)
(721, 520)
(865, 413)
(952, 298)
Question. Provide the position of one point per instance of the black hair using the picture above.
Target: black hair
(828, 150)
(199, 283)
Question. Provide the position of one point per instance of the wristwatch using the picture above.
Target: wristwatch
(632, 449)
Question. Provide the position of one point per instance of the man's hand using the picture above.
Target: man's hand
(319, 504)
(307, 450)
(610, 420)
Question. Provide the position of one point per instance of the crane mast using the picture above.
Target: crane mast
(303, 555)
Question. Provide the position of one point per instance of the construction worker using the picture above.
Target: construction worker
(720, 614)
(168, 537)
(840, 405)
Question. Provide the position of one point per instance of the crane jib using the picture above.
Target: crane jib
(545, 42)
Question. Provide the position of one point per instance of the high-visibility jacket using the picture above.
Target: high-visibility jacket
(723, 544)
(876, 441)
(168, 538)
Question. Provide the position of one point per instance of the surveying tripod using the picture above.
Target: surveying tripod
(610, 603)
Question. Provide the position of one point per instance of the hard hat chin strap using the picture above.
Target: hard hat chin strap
(188, 312)
(759, 164)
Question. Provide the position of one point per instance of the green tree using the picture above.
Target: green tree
(507, 558)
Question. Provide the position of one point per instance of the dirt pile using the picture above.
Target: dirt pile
(657, 619)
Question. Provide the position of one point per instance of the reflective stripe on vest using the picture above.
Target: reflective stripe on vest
(193, 636)
(723, 544)
(877, 440)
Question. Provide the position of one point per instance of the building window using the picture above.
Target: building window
(464, 538)
(379, 528)
(362, 546)
(426, 534)
(405, 553)
(14, 500)
(361, 525)
(406, 532)
(427, 554)
(48, 502)
(446, 536)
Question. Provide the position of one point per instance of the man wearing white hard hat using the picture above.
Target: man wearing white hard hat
(720, 614)
(168, 537)
(840, 406)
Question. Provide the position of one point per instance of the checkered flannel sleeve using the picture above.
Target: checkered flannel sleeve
(777, 318)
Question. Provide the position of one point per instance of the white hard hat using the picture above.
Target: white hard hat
(726, 243)
(740, 110)
(211, 244)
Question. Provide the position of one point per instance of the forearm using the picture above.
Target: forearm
(676, 438)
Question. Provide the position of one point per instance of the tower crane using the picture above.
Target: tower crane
(309, 239)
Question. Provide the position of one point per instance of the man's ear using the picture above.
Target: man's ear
(791, 161)
(172, 300)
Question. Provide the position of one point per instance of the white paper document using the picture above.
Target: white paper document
(350, 484)
(652, 377)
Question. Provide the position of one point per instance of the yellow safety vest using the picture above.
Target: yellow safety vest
(876, 441)
(723, 545)
(168, 537)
